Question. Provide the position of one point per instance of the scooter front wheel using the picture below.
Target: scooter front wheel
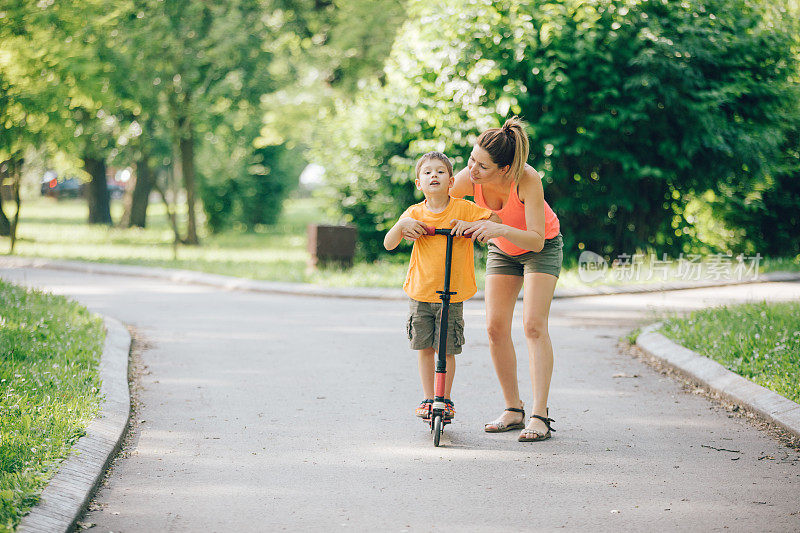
(437, 429)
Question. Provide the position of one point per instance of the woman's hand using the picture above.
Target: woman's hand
(459, 227)
(412, 229)
(479, 230)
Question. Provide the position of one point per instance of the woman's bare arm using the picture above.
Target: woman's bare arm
(463, 185)
(532, 193)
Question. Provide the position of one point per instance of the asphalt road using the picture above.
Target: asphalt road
(271, 412)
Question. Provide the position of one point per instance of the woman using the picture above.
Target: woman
(525, 250)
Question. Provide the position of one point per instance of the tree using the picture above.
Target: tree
(205, 59)
(31, 97)
(58, 93)
(195, 87)
(320, 53)
(631, 108)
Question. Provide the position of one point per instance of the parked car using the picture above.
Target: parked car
(59, 187)
(71, 187)
(115, 190)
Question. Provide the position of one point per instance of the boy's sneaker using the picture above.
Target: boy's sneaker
(449, 410)
(423, 410)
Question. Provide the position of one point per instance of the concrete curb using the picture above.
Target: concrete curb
(306, 289)
(69, 491)
(767, 404)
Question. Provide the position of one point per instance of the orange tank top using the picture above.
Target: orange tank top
(513, 214)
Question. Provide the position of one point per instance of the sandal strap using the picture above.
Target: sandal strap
(545, 420)
(499, 422)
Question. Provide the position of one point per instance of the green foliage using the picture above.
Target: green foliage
(123, 81)
(767, 209)
(758, 341)
(633, 107)
(254, 195)
(247, 73)
(368, 177)
(49, 390)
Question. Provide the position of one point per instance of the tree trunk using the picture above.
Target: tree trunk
(16, 168)
(5, 224)
(97, 191)
(138, 195)
(186, 145)
(173, 221)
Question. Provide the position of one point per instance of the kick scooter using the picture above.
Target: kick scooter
(437, 420)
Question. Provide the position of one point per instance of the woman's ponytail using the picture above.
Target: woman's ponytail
(513, 127)
(507, 146)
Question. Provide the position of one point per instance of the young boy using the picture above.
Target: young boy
(434, 177)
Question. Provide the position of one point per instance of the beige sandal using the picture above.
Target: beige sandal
(498, 426)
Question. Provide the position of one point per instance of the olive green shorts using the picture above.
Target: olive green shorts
(424, 320)
(548, 261)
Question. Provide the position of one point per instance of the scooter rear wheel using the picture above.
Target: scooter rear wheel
(437, 429)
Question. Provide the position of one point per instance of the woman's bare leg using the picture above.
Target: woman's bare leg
(501, 296)
(538, 296)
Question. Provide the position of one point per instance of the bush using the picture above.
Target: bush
(633, 109)
(252, 192)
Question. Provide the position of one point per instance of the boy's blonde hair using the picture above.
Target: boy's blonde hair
(439, 156)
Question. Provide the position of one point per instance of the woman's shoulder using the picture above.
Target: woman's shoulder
(530, 183)
(463, 185)
(530, 173)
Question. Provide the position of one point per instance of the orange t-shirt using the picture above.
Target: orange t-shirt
(426, 268)
(513, 214)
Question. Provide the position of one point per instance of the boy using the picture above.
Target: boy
(434, 177)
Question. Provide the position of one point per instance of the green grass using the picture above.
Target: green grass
(758, 341)
(57, 230)
(632, 336)
(49, 390)
(781, 264)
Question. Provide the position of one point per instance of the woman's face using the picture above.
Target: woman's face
(482, 169)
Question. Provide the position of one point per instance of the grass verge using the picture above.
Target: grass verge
(49, 390)
(759, 341)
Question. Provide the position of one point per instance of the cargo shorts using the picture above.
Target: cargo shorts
(424, 321)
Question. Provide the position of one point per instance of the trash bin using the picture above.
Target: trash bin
(331, 245)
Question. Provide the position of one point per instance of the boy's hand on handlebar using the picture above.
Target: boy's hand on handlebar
(412, 229)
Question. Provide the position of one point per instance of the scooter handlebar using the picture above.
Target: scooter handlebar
(430, 230)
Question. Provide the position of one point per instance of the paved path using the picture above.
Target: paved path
(270, 412)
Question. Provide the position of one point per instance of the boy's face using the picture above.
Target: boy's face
(433, 178)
